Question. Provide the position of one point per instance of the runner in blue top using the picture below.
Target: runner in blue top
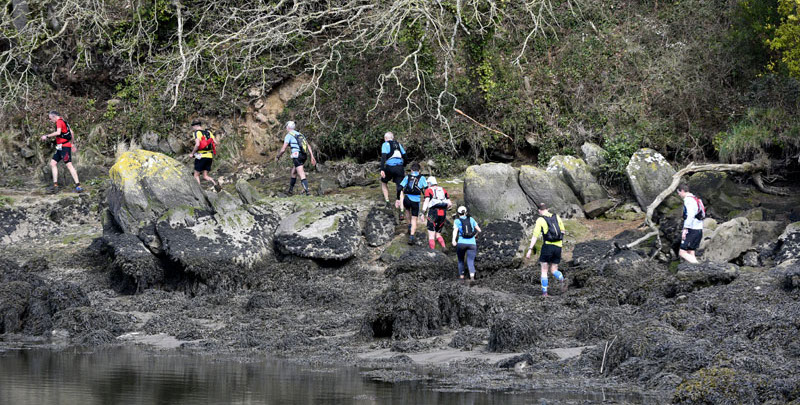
(392, 160)
(464, 241)
(299, 148)
(411, 191)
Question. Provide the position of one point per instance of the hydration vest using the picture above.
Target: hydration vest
(67, 136)
(467, 230)
(207, 143)
(554, 232)
(412, 185)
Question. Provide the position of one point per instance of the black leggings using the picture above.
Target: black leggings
(463, 249)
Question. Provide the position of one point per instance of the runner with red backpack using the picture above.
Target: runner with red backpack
(64, 149)
(205, 148)
(437, 201)
(693, 214)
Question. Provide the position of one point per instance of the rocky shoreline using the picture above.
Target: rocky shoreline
(327, 280)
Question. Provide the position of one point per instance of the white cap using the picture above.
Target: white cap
(462, 210)
(432, 181)
(388, 136)
(290, 125)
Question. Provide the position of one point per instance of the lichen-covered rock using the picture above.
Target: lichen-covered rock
(379, 227)
(728, 241)
(578, 176)
(492, 191)
(598, 207)
(595, 156)
(721, 385)
(789, 276)
(766, 231)
(145, 185)
(626, 212)
(649, 174)
(499, 246)
(247, 193)
(549, 188)
(320, 233)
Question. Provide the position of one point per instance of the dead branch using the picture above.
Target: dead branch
(481, 125)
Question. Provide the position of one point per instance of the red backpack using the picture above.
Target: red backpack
(206, 142)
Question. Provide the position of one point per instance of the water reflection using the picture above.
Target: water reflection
(131, 376)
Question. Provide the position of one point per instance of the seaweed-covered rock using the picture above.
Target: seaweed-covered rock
(789, 276)
(135, 267)
(409, 309)
(423, 262)
(28, 302)
(80, 320)
(468, 338)
(691, 277)
(728, 241)
(511, 332)
(145, 185)
(379, 228)
(576, 173)
(649, 174)
(721, 385)
(492, 191)
(549, 188)
(320, 233)
(499, 246)
(221, 250)
(788, 249)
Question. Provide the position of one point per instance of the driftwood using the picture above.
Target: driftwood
(755, 168)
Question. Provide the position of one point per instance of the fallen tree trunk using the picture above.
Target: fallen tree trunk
(755, 168)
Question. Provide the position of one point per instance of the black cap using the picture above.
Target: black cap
(542, 206)
(196, 122)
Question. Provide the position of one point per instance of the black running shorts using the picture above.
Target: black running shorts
(693, 238)
(550, 254)
(203, 164)
(411, 205)
(299, 160)
(437, 217)
(394, 173)
(64, 154)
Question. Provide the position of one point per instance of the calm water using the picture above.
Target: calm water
(131, 376)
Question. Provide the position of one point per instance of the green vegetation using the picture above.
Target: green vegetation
(6, 201)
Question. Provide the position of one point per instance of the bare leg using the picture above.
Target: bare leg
(205, 176)
(385, 189)
(300, 171)
(73, 172)
(414, 221)
(689, 257)
(197, 176)
(54, 170)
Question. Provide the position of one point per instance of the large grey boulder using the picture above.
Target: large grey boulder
(220, 250)
(598, 207)
(728, 241)
(595, 156)
(549, 188)
(766, 231)
(149, 141)
(492, 191)
(320, 233)
(578, 176)
(145, 185)
(649, 174)
(247, 193)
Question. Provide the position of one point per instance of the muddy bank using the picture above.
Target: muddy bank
(695, 334)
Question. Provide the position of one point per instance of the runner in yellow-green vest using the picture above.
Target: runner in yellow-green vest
(551, 228)
(205, 147)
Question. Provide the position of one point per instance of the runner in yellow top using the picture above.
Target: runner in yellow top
(552, 230)
(205, 146)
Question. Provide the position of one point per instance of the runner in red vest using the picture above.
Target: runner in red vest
(437, 201)
(64, 149)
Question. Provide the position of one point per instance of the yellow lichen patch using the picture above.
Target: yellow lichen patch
(137, 164)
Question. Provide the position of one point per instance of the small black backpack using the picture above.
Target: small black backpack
(554, 232)
(412, 185)
(467, 230)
